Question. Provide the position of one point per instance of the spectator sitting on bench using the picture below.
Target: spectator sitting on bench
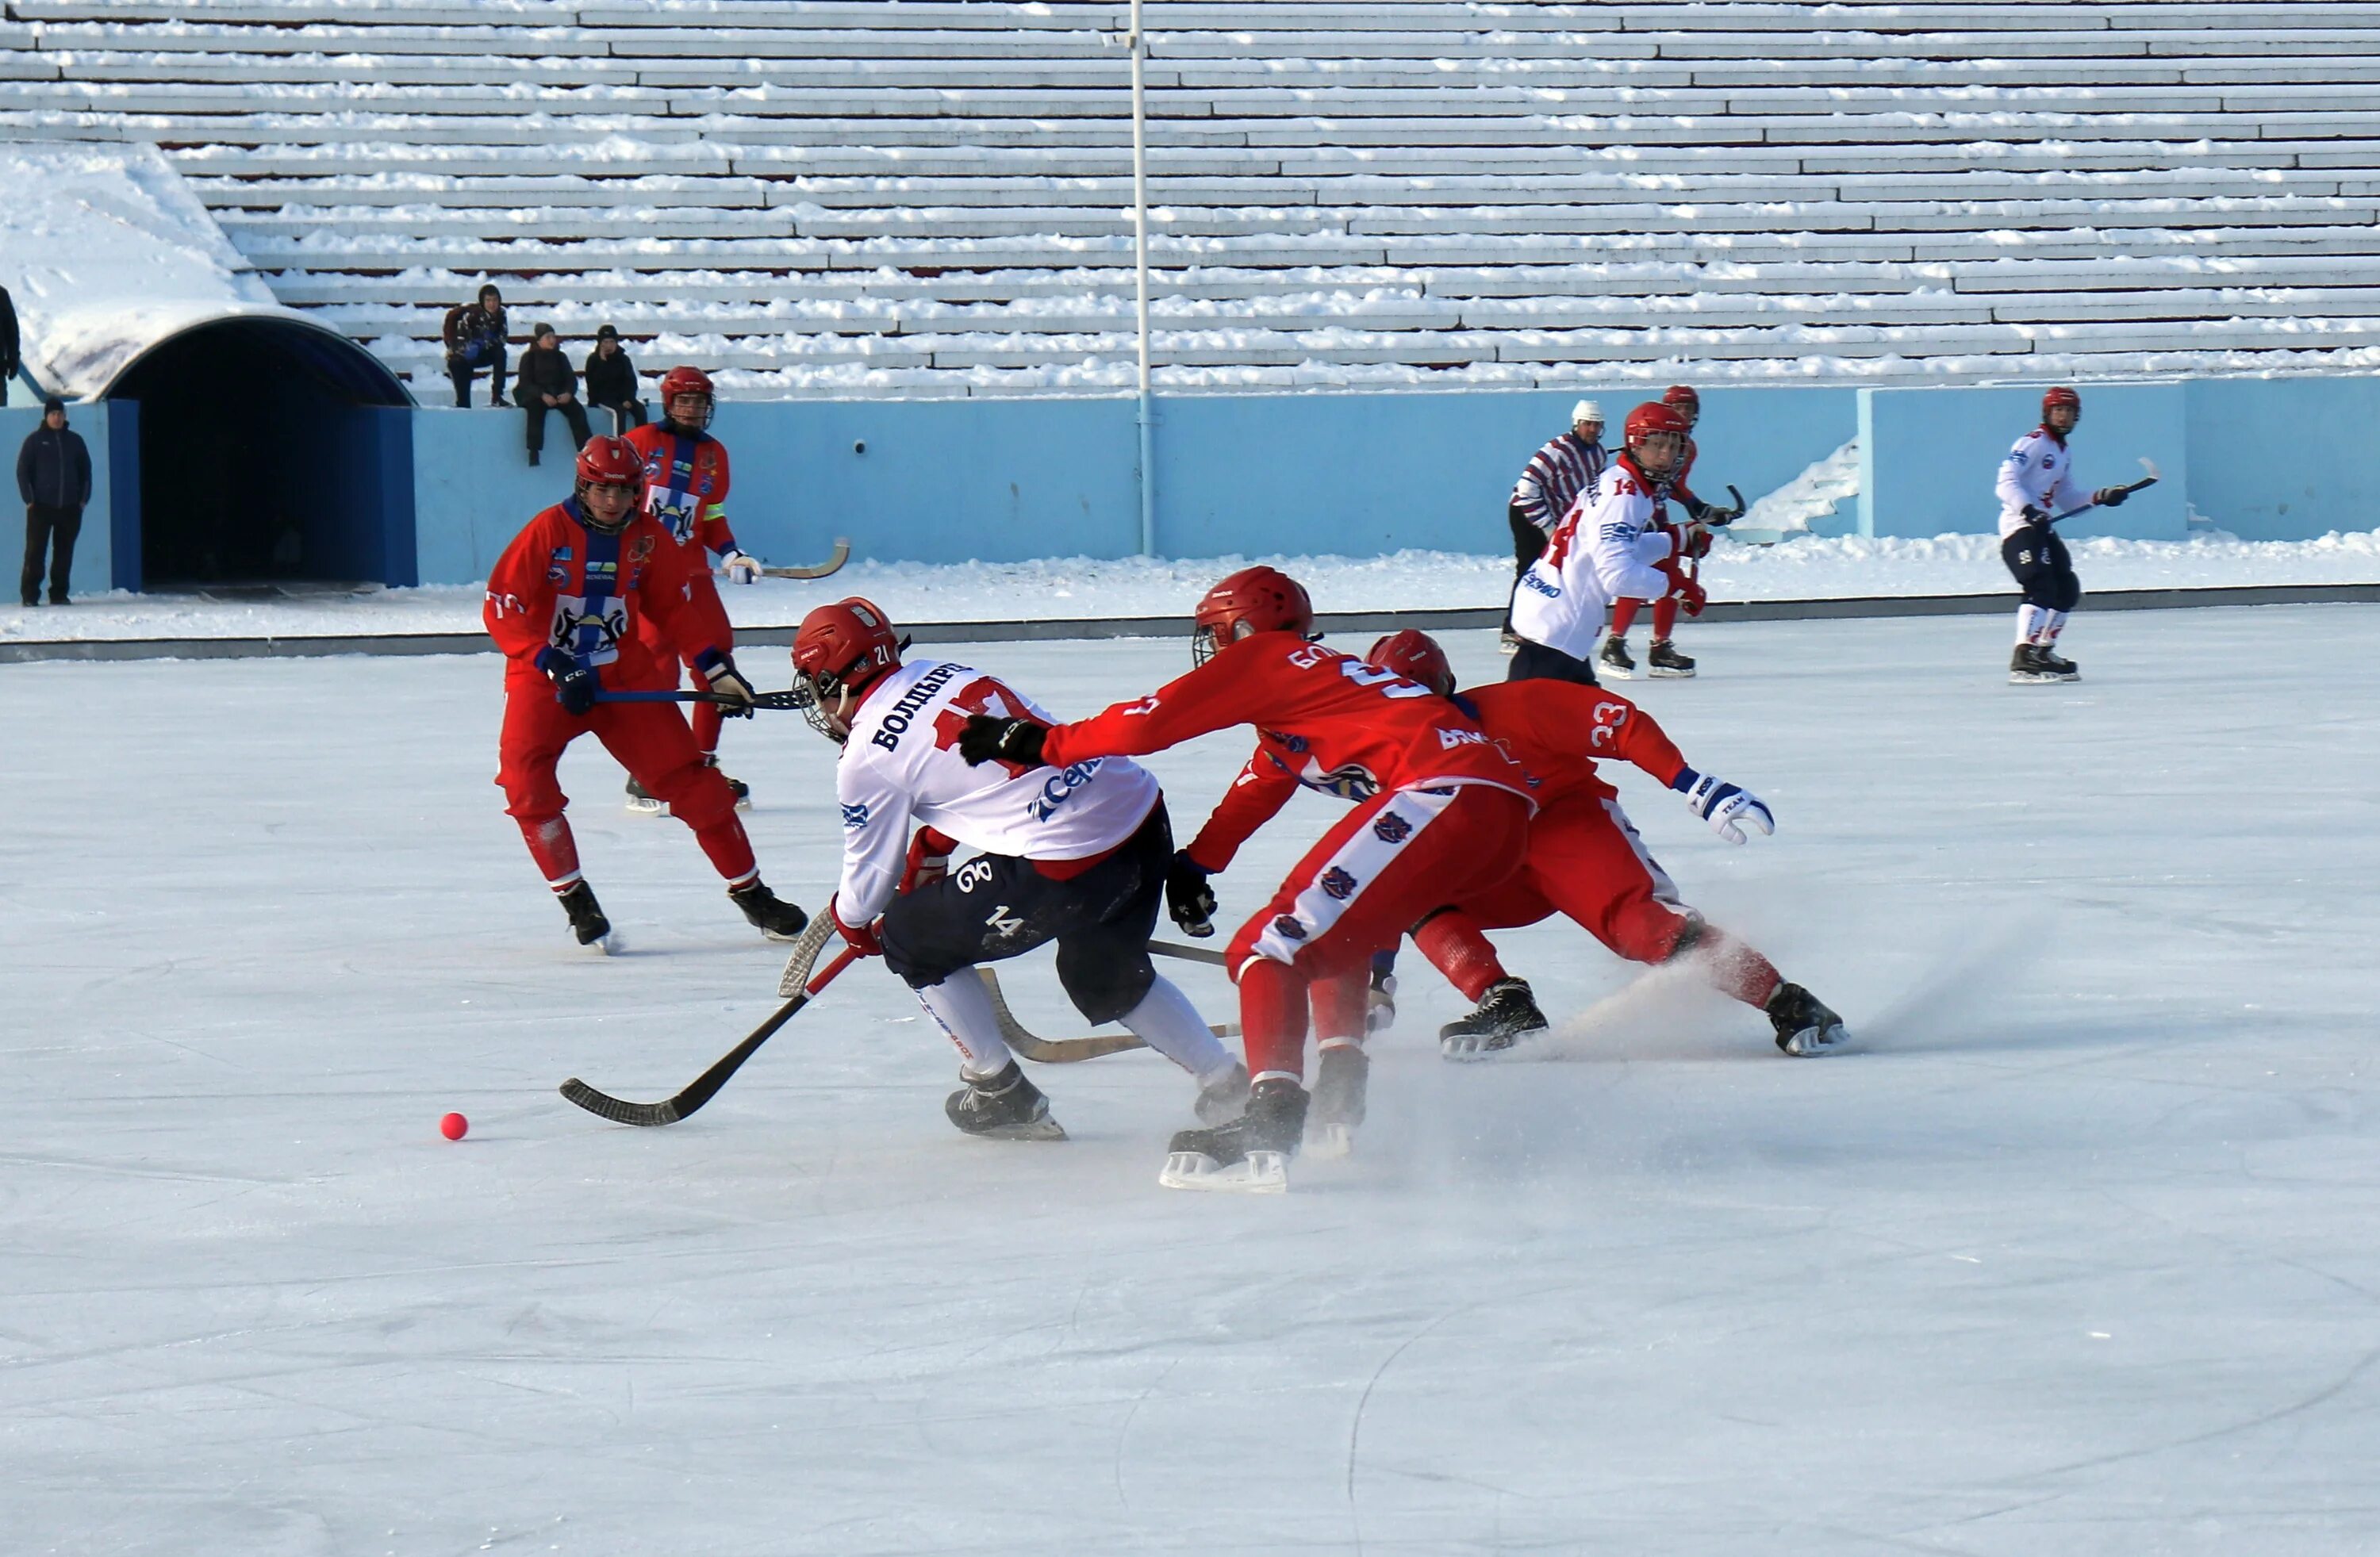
(474, 339)
(612, 382)
(546, 383)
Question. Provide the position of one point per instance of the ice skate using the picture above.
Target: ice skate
(1225, 1098)
(2028, 667)
(1338, 1110)
(1804, 1026)
(740, 789)
(1002, 1106)
(1508, 642)
(1250, 1155)
(770, 914)
(1614, 659)
(1506, 1016)
(1664, 661)
(2059, 666)
(641, 801)
(587, 920)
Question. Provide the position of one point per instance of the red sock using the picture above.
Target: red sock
(1735, 969)
(1456, 949)
(730, 851)
(1339, 1007)
(1624, 617)
(1665, 616)
(554, 850)
(1272, 1017)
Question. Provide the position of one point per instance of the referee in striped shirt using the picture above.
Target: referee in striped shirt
(1557, 474)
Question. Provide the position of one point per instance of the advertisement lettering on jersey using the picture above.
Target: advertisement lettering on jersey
(1060, 788)
(898, 717)
(1450, 739)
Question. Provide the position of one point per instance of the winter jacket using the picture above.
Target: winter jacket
(54, 468)
(469, 324)
(544, 371)
(8, 342)
(612, 382)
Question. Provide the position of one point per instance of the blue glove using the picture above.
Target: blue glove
(1722, 804)
(575, 685)
(720, 670)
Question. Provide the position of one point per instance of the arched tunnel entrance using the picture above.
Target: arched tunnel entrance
(272, 450)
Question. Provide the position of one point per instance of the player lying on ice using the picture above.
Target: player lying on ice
(1076, 856)
(1442, 814)
(569, 602)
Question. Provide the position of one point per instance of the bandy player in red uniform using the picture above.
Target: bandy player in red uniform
(571, 602)
(1442, 815)
(686, 491)
(1586, 861)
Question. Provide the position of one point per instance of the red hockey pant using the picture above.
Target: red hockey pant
(1586, 861)
(1388, 863)
(649, 739)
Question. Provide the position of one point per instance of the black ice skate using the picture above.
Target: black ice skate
(1507, 642)
(2059, 666)
(770, 914)
(1248, 1157)
(1804, 1026)
(1614, 657)
(2030, 667)
(587, 920)
(1664, 660)
(641, 801)
(740, 789)
(1224, 1098)
(1339, 1085)
(1002, 1106)
(1507, 1014)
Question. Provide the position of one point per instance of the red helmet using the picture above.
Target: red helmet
(838, 652)
(1253, 600)
(1414, 655)
(2062, 395)
(609, 462)
(686, 380)
(1654, 416)
(1681, 394)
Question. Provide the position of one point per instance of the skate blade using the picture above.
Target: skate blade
(1043, 1128)
(1662, 673)
(1260, 1173)
(607, 945)
(1469, 1051)
(1330, 1142)
(2032, 678)
(648, 807)
(1813, 1042)
(1614, 672)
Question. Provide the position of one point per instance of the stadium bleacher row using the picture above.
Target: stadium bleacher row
(850, 198)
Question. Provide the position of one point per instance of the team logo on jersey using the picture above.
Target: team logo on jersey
(557, 574)
(1348, 780)
(855, 816)
(1389, 827)
(640, 549)
(606, 570)
(1337, 883)
(703, 485)
(1288, 928)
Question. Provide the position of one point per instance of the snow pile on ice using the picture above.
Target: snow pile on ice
(1814, 495)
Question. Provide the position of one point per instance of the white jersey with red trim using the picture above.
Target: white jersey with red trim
(1604, 548)
(902, 763)
(2038, 470)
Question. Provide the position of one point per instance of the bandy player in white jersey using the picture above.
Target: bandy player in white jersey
(1077, 855)
(2036, 482)
(1606, 546)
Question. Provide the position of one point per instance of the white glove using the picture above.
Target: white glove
(740, 568)
(724, 678)
(1722, 804)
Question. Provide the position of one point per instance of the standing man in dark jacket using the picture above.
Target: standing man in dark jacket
(475, 338)
(546, 383)
(54, 478)
(612, 382)
(9, 359)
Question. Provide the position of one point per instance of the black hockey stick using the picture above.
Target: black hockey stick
(818, 570)
(793, 698)
(1187, 953)
(2149, 480)
(704, 1087)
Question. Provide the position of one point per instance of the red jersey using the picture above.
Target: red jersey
(595, 597)
(1555, 730)
(685, 485)
(1349, 729)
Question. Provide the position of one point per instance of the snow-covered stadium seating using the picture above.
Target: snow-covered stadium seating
(863, 196)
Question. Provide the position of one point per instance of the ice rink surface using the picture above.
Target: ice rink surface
(2077, 1255)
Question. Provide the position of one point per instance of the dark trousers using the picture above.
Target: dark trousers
(529, 400)
(626, 413)
(51, 530)
(1536, 662)
(481, 354)
(1529, 543)
(2036, 559)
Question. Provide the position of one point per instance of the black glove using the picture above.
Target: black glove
(987, 739)
(2033, 515)
(1188, 898)
(720, 670)
(575, 685)
(2111, 497)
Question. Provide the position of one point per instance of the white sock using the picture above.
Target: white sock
(2056, 625)
(962, 1008)
(2030, 621)
(1166, 1021)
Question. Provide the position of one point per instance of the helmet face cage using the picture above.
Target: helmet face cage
(608, 462)
(856, 633)
(681, 382)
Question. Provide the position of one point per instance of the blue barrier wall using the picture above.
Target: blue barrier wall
(2284, 459)
(1928, 458)
(95, 551)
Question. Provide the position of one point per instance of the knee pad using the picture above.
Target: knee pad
(2069, 591)
(1104, 987)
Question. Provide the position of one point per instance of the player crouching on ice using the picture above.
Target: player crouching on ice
(1077, 856)
(1442, 814)
(1586, 860)
(2037, 485)
(565, 603)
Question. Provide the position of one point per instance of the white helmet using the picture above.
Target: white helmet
(1586, 411)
